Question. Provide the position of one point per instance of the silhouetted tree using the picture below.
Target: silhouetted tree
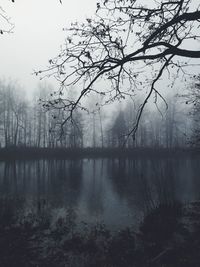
(6, 26)
(123, 35)
(12, 113)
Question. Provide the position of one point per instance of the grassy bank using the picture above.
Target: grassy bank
(168, 236)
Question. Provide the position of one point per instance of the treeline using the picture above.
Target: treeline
(25, 122)
(34, 123)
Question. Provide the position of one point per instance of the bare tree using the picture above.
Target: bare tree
(128, 43)
(193, 99)
(6, 26)
(118, 130)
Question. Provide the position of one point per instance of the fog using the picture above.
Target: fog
(37, 35)
(99, 133)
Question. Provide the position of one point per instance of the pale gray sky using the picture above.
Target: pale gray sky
(37, 35)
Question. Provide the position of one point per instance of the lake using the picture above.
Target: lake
(116, 192)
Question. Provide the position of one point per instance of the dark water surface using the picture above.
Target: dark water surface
(117, 192)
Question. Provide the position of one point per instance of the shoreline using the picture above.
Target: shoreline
(14, 153)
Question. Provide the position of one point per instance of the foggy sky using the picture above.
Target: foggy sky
(37, 35)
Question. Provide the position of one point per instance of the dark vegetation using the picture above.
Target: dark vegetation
(164, 238)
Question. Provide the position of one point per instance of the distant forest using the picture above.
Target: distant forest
(36, 123)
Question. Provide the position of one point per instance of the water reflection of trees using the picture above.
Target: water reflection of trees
(145, 183)
(94, 175)
(41, 184)
(98, 188)
(64, 182)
